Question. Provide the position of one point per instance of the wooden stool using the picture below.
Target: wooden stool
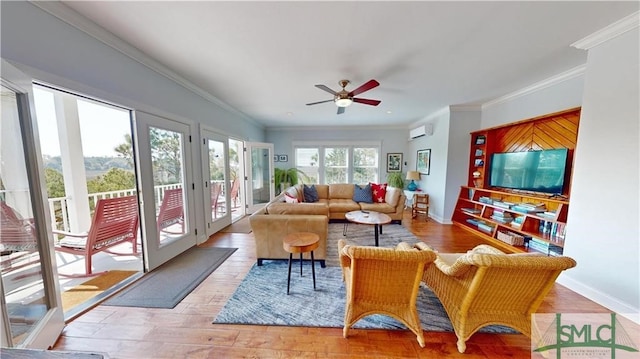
(420, 205)
(301, 242)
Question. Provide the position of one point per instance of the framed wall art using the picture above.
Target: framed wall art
(394, 162)
(423, 162)
(283, 158)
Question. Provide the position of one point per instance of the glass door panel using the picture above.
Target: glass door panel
(165, 161)
(31, 316)
(215, 170)
(260, 189)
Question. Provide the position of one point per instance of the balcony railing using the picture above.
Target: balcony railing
(58, 207)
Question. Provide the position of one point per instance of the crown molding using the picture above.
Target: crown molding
(617, 28)
(75, 19)
(551, 81)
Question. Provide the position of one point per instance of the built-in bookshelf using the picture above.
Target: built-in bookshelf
(512, 221)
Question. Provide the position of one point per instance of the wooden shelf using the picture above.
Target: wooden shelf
(544, 232)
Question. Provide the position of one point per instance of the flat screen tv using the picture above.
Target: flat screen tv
(538, 171)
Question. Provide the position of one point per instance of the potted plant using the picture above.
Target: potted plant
(286, 177)
(396, 179)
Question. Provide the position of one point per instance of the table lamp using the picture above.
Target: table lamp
(413, 175)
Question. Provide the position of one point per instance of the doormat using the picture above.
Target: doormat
(91, 288)
(167, 285)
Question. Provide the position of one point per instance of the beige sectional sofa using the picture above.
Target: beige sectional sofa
(278, 218)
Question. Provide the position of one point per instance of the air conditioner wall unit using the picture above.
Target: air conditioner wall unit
(422, 130)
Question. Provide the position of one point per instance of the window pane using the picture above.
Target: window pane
(335, 163)
(365, 165)
(307, 162)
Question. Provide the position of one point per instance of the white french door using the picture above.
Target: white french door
(168, 210)
(31, 311)
(215, 172)
(260, 186)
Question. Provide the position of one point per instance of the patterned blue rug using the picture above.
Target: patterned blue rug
(261, 299)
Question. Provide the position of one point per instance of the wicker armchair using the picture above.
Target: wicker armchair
(383, 281)
(486, 286)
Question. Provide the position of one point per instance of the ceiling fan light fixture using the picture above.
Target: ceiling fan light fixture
(344, 102)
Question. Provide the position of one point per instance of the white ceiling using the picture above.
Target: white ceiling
(264, 58)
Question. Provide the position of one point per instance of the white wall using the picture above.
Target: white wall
(462, 123)
(557, 97)
(435, 183)
(393, 140)
(53, 51)
(603, 228)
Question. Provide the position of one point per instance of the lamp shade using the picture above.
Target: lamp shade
(413, 175)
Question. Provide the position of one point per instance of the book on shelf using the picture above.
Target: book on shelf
(502, 219)
(504, 205)
(485, 227)
(487, 200)
(500, 213)
(471, 210)
(521, 209)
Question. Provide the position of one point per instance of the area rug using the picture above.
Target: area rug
(241, 226)
(261, 299)
(91, 288)
(168, 284)
(362, 235)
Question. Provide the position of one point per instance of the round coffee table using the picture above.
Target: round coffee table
(377, 219)
(301, 242)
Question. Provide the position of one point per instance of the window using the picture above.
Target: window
(338, 162)
(307, 161)
(365, 165)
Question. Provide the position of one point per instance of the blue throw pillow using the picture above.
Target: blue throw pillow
(363, 194)
(310, 193)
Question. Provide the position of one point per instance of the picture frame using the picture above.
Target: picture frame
(478, 163)
(276, 158)
(480, 140)
(283, 158)
(423, 162)
(394, 162)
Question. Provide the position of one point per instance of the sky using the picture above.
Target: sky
(102, 127)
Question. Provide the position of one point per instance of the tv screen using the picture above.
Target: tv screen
(539, 171)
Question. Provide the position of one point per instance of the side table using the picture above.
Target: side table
(301, 242)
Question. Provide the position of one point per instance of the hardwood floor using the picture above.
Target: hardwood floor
(187, 332)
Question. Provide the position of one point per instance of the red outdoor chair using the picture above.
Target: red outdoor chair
(115, 221)
(171, 212)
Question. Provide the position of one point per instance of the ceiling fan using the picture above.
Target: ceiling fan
(343, 98)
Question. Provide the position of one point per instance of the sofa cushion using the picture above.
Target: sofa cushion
(379, 192)
(341, 191)
(323, 191)
(310, 194)
(378, 207)
(362, 194)
(342, 205)
(300, 208)
(392, 196)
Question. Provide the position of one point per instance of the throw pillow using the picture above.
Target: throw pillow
(310, 194)
(379, 192)
(290, 199)
(393, 196)
(363, 194)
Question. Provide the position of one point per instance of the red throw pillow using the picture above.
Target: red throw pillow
(379, 191)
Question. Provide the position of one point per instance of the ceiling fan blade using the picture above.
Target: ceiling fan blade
(315, 103)
(367, 101)
(341, 110)
(366, 87)
(325, 88)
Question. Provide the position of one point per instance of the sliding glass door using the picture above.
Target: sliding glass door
(31, 306)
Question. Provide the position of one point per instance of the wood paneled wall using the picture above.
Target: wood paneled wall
(556, 130)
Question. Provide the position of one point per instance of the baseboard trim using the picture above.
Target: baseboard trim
(601, 298)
